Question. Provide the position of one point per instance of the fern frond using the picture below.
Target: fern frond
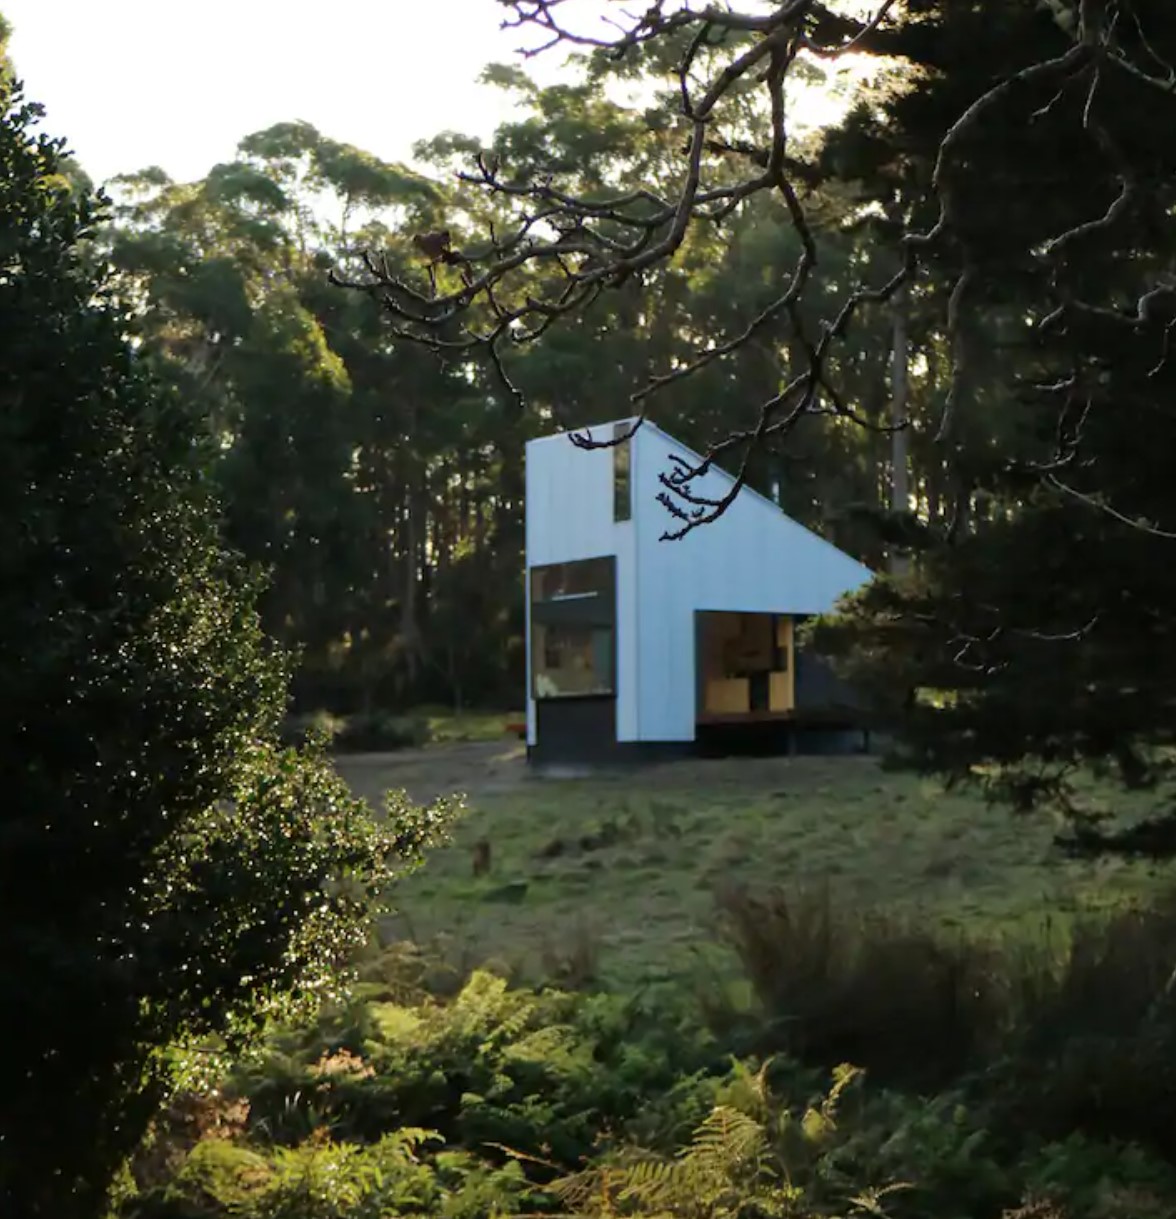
(869, 1201)
(843, 1076)
(726, 1157)
(577, 1191)
(655, 1183)
(725, 1140)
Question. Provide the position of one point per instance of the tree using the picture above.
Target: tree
(1031, 643)
(573, 238)
(5, 59)
(353, 470)
(1021, 197)
(168, 874)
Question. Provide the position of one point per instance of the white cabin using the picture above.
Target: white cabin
(635, 643)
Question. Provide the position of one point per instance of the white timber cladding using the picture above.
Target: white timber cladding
(753, 559)
(569, 516)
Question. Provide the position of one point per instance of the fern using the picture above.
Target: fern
(737, 1165)
(725, 1160)
(870, 1201)
(725, 1143)
(659, 1184)
(488, 1008)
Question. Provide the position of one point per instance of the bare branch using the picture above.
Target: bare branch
(958, 339)
(1138, 524)
(562, 249)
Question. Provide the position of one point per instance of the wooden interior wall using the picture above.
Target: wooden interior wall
(733, 645)
(783, 682)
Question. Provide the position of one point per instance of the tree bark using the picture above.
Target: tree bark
(900, 487)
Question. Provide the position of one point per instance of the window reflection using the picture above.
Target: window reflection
(565, 580)
(622, 473)
(569, 660)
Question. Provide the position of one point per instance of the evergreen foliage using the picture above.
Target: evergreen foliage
(733, 1140)
(1031, 641)
(168, 873)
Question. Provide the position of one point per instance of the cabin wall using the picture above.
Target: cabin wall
(569, 516)
(752, 559)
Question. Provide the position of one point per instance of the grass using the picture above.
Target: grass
(446, 727)
(382, 731)
(619, 875)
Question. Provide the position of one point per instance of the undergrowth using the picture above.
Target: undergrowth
(1061, 1031)
(1030, 1082)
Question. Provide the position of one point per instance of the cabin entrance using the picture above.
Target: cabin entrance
(746, 667)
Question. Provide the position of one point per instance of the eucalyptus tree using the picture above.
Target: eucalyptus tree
(1019, 177)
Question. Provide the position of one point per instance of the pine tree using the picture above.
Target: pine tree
(1034, 637)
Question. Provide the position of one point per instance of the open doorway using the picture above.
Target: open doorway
(746, 666)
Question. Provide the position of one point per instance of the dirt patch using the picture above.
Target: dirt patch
(481, 768)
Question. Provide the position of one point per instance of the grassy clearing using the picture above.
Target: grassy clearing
(447, 727)
(373, 731)
(621, 872)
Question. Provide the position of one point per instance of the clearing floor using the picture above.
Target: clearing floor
(625, 867)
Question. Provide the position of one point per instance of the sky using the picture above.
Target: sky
(133, 83)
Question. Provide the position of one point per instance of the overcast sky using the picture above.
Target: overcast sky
(137, 82)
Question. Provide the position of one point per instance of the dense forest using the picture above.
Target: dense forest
(381, 484)
(263, 456)
(379, 481)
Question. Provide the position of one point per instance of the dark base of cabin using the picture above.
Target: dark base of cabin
(773, 738)
(586, 738)
(609, 755)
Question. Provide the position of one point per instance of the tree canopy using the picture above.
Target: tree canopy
(1005, 194)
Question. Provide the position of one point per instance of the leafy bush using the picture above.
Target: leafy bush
(850, 1150)
(322, 725)
(168, 872)
(363, 732)
(400, 1174)
(541, 1072)
(378, 731)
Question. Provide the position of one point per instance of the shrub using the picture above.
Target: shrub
(839, 986)
(323, 725)
(540, 1072)
(168, 872)
(400, 1174)
(378, 731)
(1058, 1035)
(589, 1105)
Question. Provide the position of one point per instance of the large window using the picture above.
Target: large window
(573, 625)
(745, 664)
(569, 661)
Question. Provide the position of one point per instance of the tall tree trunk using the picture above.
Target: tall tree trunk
(415, 492)
(409, 621)
(900, 487)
